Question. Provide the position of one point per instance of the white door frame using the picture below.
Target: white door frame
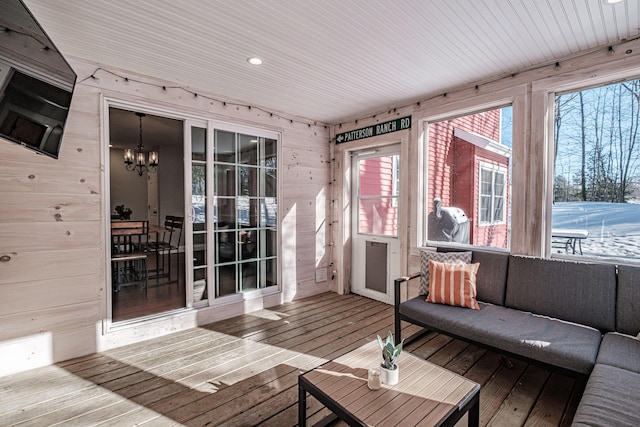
(361, 240)
(108, 102)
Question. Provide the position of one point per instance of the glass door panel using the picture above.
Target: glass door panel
(246, 206)
(224, 180)
(155, 281)
(226, 280)
(199, 210)
(378, 191)
(225, 147)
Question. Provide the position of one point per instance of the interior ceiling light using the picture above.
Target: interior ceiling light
(136, 160)
(612, 1)
(254, 60)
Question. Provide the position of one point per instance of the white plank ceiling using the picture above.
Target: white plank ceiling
(331, 60)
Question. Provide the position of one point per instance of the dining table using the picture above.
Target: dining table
(137, 230)
(129, 243)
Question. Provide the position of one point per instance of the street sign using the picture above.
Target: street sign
(375, 130)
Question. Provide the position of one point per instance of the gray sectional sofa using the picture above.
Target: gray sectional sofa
(575, 317)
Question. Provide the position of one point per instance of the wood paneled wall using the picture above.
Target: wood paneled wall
(53, 295)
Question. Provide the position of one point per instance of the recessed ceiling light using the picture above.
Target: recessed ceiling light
(612, 1)
(254, 60)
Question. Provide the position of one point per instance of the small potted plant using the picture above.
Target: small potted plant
(123, 212)
(389, 371)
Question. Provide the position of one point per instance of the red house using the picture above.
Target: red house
(469, 169)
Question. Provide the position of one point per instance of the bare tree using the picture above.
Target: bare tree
(628, 156)
(564, 106)
(583, 179)
(599, 129)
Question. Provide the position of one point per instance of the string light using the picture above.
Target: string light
(10, 31)
(610, 50)
(556, 66)
(165, 88)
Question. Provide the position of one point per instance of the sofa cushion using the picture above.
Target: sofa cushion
(610, 398)
(551, 341)
(453, 284)
(628, 305)
(450, 257)
(574, 291)
(491, 281)
(621, 351)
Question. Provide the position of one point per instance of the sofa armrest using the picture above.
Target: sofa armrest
(398, 283)
(396, 301)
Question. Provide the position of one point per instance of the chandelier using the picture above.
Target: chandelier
(136, 160)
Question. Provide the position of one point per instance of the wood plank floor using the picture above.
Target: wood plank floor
(243, 372)
(163, 294)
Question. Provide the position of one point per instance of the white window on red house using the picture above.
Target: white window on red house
(492, 194)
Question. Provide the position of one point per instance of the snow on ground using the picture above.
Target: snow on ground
(614, 228)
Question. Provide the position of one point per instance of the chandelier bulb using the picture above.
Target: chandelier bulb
(136, 160)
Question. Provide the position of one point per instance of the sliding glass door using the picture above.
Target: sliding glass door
(245, 205)
(233, 196)
(208, 212)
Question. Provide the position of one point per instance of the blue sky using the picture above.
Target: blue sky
(506, 122)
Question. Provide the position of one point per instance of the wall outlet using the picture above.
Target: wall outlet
(321, 275)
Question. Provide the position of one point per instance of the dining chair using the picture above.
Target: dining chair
(165, 245)
(128, 254)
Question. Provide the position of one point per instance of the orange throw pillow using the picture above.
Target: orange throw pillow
(453, 284)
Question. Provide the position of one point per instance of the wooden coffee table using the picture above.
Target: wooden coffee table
(426, 395)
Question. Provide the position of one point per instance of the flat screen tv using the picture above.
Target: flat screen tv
(36, 82)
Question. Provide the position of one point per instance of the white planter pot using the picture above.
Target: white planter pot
(389, 376)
